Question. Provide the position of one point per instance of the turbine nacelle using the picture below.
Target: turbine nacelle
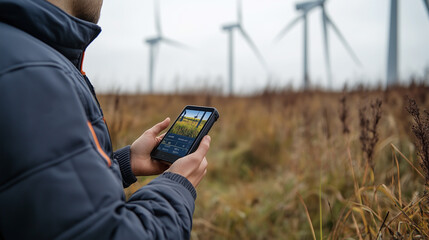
(229, 27)
(153, 40)
(307, 6)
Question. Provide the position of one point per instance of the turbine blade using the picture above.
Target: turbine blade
(174, 43)
(157, 18)
(239, 12)
(426, 3)
(326, 45)
(343, 40)
(253, 47)
(287, 28)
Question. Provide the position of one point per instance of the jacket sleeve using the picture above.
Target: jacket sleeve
(123, 157)
(55, 183)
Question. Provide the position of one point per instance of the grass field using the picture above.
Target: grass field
(188, 127)
(299, 165)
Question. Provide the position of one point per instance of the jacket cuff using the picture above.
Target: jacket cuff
(182, 180)
(123, 157)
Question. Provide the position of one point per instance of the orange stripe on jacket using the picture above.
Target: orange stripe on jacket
(100, 150)
(81, 64)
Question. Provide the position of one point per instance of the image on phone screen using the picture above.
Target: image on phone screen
(184, 132)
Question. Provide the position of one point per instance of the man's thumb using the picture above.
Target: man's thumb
(160, 126)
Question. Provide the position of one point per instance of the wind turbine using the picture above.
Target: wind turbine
(154, 42)
(305, 8)
(229, 28)
(392, 75)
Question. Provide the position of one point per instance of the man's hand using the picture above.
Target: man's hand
(193, 166)
(141, 162)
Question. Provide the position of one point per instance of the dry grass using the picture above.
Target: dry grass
(421, 132)
(282, 167)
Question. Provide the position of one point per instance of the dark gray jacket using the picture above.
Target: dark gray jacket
(59, 178)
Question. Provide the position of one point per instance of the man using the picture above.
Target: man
(59, 178)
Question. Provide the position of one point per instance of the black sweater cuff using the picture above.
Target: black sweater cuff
(182, 180)
(124, 160)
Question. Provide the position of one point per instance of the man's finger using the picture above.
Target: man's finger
(204, 146)
(203, 164)
(160, 126)
(160, 137)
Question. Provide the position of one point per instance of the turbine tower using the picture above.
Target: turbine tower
(305, 8)
(154, 42)
(392, 76)
(392, 55)
(229, 28)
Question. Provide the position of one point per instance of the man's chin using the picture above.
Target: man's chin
(89, 18)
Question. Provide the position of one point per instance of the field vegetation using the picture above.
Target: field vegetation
(188, 127)
(302, 165)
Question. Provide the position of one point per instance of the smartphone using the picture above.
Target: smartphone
(186, 133)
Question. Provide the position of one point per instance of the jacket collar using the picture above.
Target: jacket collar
(39, 18)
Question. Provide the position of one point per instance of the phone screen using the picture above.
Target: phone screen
(183, 133)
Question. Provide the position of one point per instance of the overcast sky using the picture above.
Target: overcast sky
(118, 58)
